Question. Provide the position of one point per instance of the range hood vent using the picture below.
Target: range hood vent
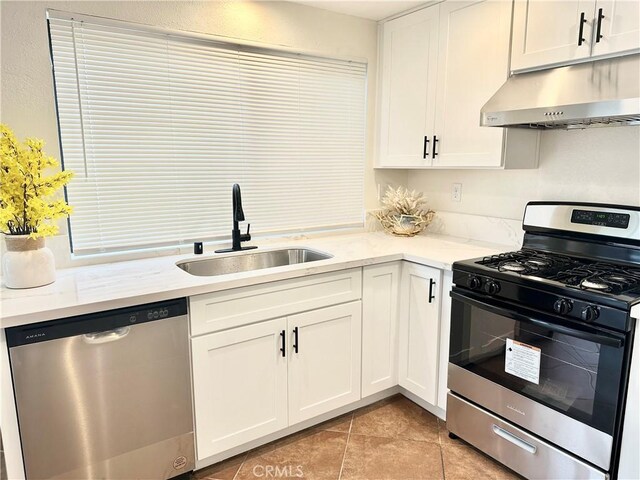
(594, 94)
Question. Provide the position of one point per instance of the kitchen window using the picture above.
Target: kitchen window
(158, 125)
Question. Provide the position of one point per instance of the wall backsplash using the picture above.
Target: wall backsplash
(592, 165)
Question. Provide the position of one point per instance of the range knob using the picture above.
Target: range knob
(474, 283)
(562, 306)
(589, 313)
(492, 287)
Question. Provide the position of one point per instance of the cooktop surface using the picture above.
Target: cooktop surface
(571, 271)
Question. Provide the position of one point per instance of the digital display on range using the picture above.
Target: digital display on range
(601, 219)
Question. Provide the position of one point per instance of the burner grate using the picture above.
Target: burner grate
(528, 262)
(572, 272)
(601, 277)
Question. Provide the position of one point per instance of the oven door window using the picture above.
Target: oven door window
(575, 376)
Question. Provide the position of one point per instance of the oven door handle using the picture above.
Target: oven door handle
(573, 332)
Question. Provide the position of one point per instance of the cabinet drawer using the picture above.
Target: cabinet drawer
(240, 306)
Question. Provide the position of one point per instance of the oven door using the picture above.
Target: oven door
(555, 377)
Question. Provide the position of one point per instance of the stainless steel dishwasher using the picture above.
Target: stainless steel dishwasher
(106, 395)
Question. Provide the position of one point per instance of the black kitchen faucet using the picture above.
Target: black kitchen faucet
(238, 216)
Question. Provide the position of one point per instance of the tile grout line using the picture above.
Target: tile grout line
(344, 454)
(404, 439)
(441, 445)
(441, 458)
(246, 455)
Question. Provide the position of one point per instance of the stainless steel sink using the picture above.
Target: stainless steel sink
(244, 262)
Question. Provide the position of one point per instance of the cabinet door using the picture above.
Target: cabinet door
(324, 372)
(380, 289)
(239, 386)
(419, 330)
(546, 33)
(473, 65)
(619, 26)
(407, 103)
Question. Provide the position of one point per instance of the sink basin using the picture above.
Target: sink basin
(244, 262)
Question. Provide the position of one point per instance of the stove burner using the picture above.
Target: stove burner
(512, 267)
(593, 284)
(539, 262)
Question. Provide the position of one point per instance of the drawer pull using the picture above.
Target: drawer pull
(295, 339)
(517, 441)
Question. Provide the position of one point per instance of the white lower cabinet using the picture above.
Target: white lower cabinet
(254, 380)
(420, 330)
(239, 386)
(324, 366)
(380, 315)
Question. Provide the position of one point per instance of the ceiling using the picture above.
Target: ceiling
(371, 9)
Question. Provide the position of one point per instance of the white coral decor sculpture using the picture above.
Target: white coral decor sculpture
(404, 213)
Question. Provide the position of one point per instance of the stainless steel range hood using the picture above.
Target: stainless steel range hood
(601, 93)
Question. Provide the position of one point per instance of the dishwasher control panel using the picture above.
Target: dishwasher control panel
(99, 322)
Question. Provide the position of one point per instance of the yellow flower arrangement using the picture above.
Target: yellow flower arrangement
(25, 192)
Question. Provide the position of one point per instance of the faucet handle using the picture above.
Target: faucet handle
(245, 237)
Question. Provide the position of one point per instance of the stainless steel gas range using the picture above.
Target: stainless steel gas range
(541, 342)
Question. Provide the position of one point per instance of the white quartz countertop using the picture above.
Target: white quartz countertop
(87, 289)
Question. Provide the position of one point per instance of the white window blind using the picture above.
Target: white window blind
(159, 125)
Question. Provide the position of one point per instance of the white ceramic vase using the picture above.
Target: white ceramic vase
(27, 263)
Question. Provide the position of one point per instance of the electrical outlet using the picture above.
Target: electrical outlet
(456, 192)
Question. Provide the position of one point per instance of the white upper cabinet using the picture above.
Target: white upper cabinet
(440, 65)
(619, 26)
(410, 56)
(546, 33)
(473, 64)
(562, 32)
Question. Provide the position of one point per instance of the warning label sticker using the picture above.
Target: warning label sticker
(522, 360)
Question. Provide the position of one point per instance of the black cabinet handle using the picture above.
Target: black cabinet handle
(283, 347)
(581, 29)
(425, 148)
(295, 339)
(434, 153)
(599, 27)
(432, 283)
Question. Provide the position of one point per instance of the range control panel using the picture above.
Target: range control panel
(602, 219)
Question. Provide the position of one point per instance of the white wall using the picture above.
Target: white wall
(26, 88)
(598, 164)
(591, 165)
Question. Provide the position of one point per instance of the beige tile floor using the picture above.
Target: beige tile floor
(391, 440)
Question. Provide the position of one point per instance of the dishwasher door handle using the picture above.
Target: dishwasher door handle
(106, 337)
